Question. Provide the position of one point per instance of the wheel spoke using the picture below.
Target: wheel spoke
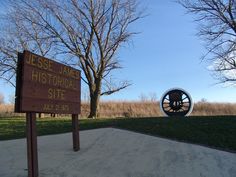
(166, 107)
(167, 99)
(184, 98)
(185, 106)
(166, 102)
(169, 109)
(182, 109)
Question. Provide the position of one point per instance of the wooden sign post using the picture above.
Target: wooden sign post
(32, 151)
(46, 86)
(75, 131)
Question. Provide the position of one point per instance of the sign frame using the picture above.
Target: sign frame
(46, 86)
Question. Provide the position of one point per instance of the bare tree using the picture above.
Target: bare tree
(90, 32)
(8, 57)
(1, 98)
(18, 35)
(217, 26)
(11, 99)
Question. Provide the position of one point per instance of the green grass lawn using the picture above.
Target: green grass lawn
(218, 132)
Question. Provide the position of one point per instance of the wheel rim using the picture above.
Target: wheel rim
(176, 102)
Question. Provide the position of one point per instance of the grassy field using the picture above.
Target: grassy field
(111, 109)
(215, 131)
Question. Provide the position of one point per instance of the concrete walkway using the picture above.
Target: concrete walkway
(112, 152)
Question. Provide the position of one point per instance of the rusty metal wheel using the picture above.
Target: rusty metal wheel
(176, 102)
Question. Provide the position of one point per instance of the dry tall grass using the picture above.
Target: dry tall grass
(7, 110)
(125, 109)
(206, 108)
(150, 109)
(139, 109)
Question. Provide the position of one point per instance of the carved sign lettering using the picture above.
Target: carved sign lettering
(46, 86)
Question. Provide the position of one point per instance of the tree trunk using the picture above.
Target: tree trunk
(94, 104)
(95, 93)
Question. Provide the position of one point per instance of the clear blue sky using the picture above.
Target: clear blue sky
(165, 54)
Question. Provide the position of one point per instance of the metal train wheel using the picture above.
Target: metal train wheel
(176, 102)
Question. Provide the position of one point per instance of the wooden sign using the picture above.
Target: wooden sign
(46, 86)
